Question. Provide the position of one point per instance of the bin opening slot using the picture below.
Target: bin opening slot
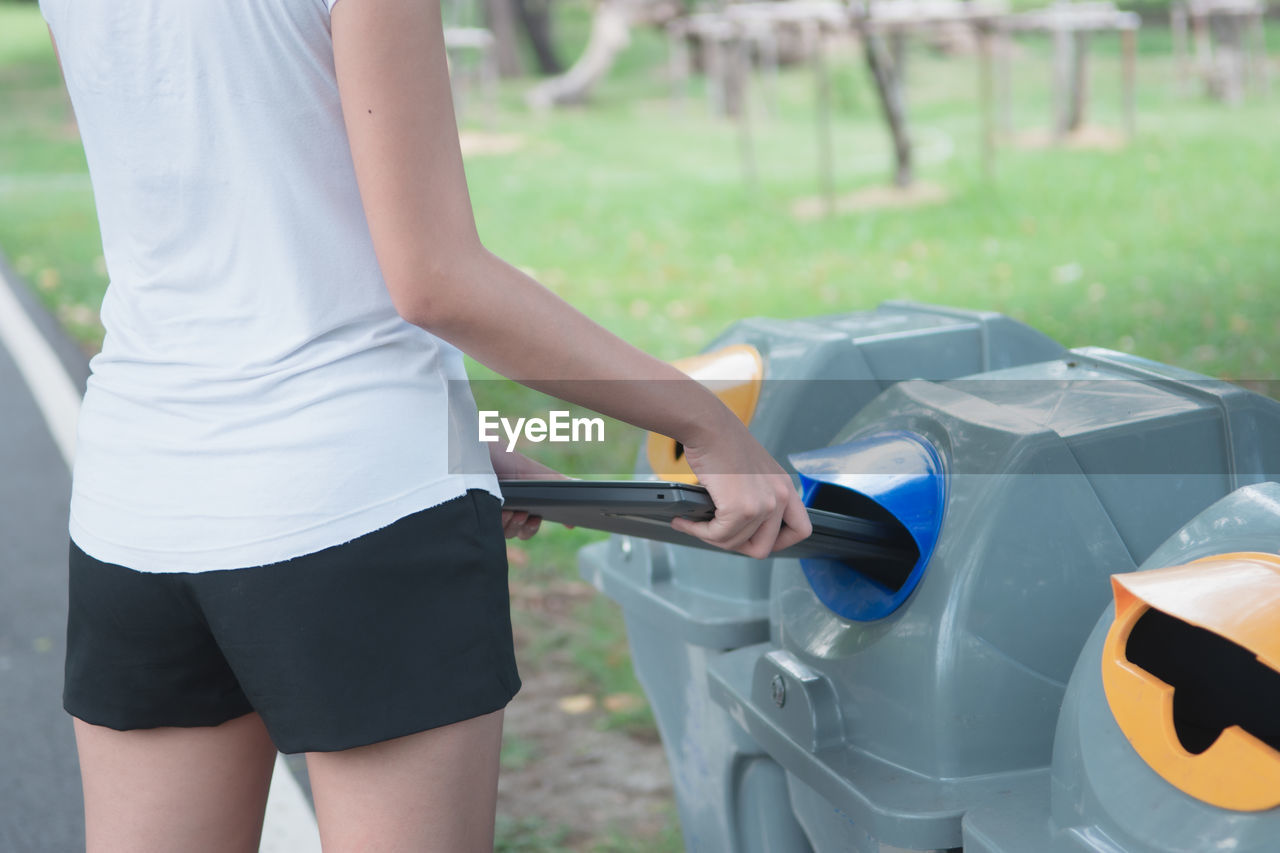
(890, 571)
(833, 498)
(1216, 683)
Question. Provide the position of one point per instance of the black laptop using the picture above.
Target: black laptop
(644, 509)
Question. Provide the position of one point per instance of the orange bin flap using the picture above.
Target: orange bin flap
(1236, 596)
(733, 374)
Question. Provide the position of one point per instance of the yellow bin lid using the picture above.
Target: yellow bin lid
(1237, 597)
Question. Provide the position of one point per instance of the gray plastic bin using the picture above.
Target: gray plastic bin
(1102, 796)
(684, 606)
(1056, 475)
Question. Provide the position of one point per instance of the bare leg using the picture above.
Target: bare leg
(432, 791)
(190, 789)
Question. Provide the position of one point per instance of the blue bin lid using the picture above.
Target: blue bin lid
(903, 473)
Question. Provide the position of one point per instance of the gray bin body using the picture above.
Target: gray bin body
(1100, 796)
(683, 606)
(1058, 475)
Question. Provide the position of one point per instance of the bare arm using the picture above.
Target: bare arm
(394, 85)
(56, 57)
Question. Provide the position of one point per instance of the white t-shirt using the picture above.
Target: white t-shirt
(257, 396)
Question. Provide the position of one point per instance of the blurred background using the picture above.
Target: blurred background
(670, 169)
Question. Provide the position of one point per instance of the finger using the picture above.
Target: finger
(696, 529)
(796, 525)
(787, 536)
(685, 526)
(761, 543)
(530, 527)
(721, 531)
(512, 520)
(742, 528)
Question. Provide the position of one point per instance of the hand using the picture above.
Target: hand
(513, 465)
(757, 509)
(520, 524)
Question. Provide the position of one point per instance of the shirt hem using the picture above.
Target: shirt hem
(285, 547)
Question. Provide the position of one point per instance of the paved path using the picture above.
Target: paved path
(41, 378)
(40, 799)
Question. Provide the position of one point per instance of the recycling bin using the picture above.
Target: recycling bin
(898, 705)
(1169, 736)
(796, 383)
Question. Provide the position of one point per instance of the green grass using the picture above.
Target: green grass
(600, 652)
(528, 836)
(639, 214)
(47, 222)
(668, 840)
(516, 752)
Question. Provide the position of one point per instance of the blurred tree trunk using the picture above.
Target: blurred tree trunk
(535, 16)
(888, 82)
(610, 34)
(500, 18)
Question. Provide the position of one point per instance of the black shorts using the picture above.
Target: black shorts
(403, 629)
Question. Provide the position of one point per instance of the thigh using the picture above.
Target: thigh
(163, 789)
(431, 791)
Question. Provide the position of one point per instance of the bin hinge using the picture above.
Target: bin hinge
(800, 702)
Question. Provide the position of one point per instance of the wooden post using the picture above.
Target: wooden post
(1237, 68)
(1178, 31)
(1203, 49)
(1243, 26)
(1263, 71)
(1004, 91)
(735, 71)
(1079, 102)
(713, 70)
(1231, 58)
(1128, 64)
(678, 63)
(1062, 75)
(767, 44)
(985, 99)
(742, 71)
(826, 164)
(489, 83)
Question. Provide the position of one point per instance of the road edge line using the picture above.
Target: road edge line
(47, 380)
